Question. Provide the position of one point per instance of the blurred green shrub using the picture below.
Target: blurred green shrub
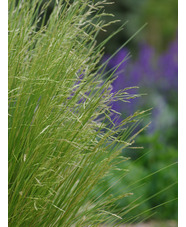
(152, 178)
(158, 155)
(161, 16)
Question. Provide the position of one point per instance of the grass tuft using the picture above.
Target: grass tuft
(62, 136)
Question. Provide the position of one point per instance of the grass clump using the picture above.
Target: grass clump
(63, 137)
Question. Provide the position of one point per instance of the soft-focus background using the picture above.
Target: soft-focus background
(153, 66)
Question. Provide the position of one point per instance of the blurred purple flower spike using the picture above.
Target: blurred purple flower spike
(168, 63)
(151, 72)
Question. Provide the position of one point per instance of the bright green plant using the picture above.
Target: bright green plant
(62, 139)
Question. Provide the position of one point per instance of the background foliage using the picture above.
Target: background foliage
(161, 17)
(153, 66)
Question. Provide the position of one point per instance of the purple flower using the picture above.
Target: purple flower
(168, 63)
(152, 72)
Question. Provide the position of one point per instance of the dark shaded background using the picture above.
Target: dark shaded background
(161, 16)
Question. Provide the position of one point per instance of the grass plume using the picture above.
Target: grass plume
(62, 137)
